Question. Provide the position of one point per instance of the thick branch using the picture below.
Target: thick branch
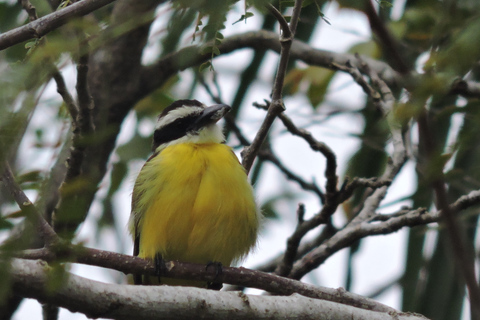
(96, 299)
(154, 75)
(175, 269)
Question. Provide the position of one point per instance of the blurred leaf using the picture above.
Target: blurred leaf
(9, 12)
(177, 25)
(463, 53)
(56, 276)
(316, 79)
(15, 215)
(351, 4)
(118, 175)
(268, 208)
(5, 224)
(137, 148)
(419, 25)
(244, 17)
(384, 3)
(368, 49)
(31, 176)
(205, 66)
(31, 180)
(153, 104)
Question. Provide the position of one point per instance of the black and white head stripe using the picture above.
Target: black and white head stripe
(185, 118)
(180, 109)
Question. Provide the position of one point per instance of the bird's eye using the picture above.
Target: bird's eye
(180, 123)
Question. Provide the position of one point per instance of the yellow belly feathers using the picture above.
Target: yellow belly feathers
(196, 205)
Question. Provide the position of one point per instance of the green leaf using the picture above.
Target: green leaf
(5, 224)
(205, 65)
(216, 51)
(244, 17)
(384, 3)
(368, 49)
(206, 49)
(30, 44)
(318, 80)
(137, 148)
(287, 3)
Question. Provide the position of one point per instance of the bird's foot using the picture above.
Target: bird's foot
(218, 271)
(159, 265)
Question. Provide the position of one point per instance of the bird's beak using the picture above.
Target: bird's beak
(211, 115)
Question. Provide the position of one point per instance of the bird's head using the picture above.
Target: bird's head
(189, 121)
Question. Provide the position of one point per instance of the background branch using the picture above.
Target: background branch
(52, 21)
(276, 106)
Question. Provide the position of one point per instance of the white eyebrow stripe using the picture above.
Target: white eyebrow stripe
(177, 114)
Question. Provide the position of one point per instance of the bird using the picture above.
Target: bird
(192, 200)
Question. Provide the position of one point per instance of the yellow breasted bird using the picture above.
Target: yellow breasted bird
(192, 201)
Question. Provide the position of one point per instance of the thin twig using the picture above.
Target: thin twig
(293, 243)
(66, 96)
(28, 208)
(276, 107)
(373, 226)
(315, 145)
(387, 40)
(268, 155)
(349, 186)
(286, 32)
(355, 229)
(306, 246)
(31, 11)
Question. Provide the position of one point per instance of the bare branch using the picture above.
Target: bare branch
(308, 186)
(66, 96)
(31, 279)
(52, 21)
(387, 40)
(315, 145)
(31, 11)
(389, 224)
(176, 269)
(281, 20)
(349, 186)
(276, 107)
(28, 208)
(293, 242)
(356, 228)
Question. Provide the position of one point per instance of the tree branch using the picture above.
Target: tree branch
(276, 107)
(50, 22)
(28, 208)
(176, 269)
(389, 224)
(96, 299)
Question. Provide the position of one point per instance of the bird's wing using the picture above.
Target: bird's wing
(134, 228)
